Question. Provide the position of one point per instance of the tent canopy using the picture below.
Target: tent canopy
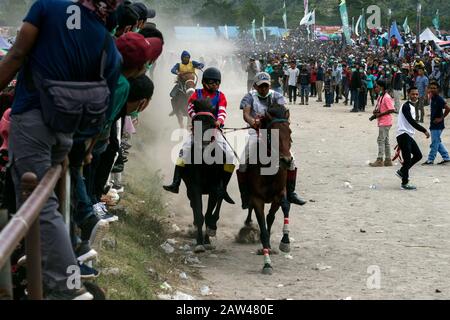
(428, 35)
(275, 31)
(233, 31)
(195, 33)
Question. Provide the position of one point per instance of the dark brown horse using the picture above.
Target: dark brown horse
(204, 179)
(271, 189)
(185, 88)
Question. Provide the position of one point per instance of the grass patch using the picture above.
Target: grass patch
(133, 245)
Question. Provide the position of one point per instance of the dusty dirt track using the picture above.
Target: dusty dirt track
(342, 233)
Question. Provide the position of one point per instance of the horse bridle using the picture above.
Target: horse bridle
(182, 86)
(209, 114)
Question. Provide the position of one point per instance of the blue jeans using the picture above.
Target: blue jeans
(83, 204)
(304, 90)
(437, 146)
(329, 97)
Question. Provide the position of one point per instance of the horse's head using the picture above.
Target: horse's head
(188, 82)
(277, 118)
(204, 115)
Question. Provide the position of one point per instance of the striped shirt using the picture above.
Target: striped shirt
(222, 113)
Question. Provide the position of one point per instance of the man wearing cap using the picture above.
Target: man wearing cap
(144, 14)
(254, 105)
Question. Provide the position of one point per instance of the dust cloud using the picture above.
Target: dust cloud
(155, 149)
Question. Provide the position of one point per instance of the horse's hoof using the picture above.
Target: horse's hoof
(210, 232)
(267, 270)
(200, 249)
(210, 247)
(285, 247)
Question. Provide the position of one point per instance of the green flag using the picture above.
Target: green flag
(254, 29)
(344, 18)
(406, 26)
(436, 20)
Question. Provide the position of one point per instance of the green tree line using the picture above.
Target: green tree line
(242, 12)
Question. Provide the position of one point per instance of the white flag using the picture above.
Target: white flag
(264, 28)
(308, 19)
(226, 33)
(285, 15)
(357, 25)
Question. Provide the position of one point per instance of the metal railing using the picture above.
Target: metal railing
(25, 224)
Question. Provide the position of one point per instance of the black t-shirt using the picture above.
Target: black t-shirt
(437, 111)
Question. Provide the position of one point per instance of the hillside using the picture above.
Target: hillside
(241, 12)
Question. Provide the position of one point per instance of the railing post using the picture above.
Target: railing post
(5, 271)
(32, 243)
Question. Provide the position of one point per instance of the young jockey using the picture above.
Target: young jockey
(186, 65)
(255, 104)
(211, 82)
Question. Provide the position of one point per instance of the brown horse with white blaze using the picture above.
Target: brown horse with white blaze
(271, 189)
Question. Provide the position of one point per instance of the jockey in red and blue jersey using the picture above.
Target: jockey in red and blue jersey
(211, 82)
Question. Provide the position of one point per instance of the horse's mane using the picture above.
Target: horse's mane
(186, 76)
(203, 105)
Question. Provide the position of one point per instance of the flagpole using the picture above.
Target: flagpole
(419, 13)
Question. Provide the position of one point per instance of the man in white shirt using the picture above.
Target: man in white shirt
(405, 138)
(292, 73)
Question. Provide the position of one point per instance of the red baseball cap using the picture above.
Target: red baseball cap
(137, 50)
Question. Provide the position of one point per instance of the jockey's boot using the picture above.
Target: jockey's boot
(175, 186)
(226, 180)
(290, 187)
(243, 188)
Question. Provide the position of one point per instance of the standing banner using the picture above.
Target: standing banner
(226, 33)
(358, 23)
(406, 27)
(264, 29)
(285, 16)
(436, 20)
(344, 18)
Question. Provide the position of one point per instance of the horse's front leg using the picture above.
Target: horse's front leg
(197, 208)
(258, 205)
(210, 219)
(271, 217)
(180, 119)
(249, 222)
(285, 245)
